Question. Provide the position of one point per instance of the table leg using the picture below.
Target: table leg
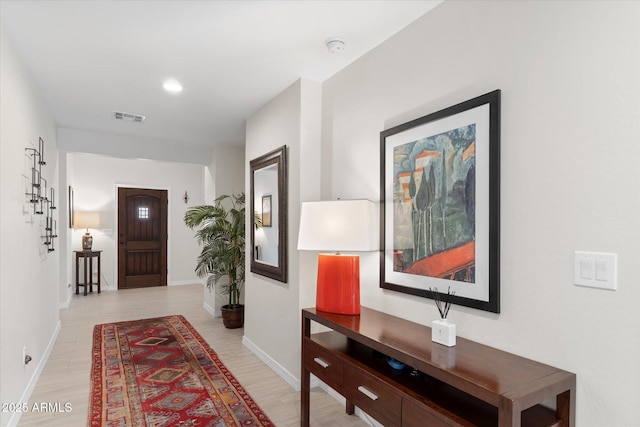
(305, 401)
(85, 274)
(305, 381)
(565, 407)
(77, 274)
(90, 273)
(509, 413)
(98, 272)
(350, 408)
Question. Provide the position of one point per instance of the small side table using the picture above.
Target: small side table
(87, 257)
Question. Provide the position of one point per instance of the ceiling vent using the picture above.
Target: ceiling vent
(128, 117)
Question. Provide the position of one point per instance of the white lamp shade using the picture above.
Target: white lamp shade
(340, 225)
(84, 219)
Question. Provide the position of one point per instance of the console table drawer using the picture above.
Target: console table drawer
(323, 364)
(416, 415)
(373, 396)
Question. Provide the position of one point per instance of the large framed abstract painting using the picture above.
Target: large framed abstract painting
(440, 210)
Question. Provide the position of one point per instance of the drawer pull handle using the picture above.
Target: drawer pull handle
(321, 362)
(368, 393)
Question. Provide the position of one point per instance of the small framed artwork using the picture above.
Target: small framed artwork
(71, 207)
(440, 213)
(266, 211)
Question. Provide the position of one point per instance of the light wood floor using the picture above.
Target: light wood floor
(65, 378)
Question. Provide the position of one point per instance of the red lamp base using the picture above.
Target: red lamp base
(338, 288)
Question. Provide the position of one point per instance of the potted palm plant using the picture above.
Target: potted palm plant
(220, 233)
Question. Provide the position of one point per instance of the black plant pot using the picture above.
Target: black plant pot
(233, 318)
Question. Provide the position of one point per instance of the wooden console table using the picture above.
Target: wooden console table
(467, 385)
(87, 257)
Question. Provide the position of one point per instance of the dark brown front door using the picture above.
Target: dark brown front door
(142, 238)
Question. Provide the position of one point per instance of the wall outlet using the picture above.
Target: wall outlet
(25, 357)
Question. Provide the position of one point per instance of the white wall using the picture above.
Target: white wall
(95, 181)
(136, 147)
(227, 170)
(570, 79)
(272, 313)
(28, 273)
(65, 234)
(223, 175)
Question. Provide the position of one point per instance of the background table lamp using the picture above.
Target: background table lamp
(84, 219)
(342, 225)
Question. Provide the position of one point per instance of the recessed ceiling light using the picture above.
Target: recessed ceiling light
(172, 86)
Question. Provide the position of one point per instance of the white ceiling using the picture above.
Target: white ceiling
(89, 58)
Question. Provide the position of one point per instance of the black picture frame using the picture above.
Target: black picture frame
(445, 234)
(71, 207)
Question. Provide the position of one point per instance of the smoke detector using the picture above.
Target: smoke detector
(335, 44)
(128, 117)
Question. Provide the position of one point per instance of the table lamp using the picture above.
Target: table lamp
(342, 225)
(85, 219)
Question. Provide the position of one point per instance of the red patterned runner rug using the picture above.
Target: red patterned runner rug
(162, 373)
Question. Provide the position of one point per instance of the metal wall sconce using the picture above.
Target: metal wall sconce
(39, 196)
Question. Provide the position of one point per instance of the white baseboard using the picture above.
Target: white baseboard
(24, 399)
(212, 311)
(185, 282)
(275, 366)
(66, 304)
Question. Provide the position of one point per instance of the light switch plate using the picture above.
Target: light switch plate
(596, 270)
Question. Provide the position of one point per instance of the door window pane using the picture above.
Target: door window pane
(143, 212)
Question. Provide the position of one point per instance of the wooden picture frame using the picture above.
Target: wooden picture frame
(440, 210)
(266, 211)
(268, 175)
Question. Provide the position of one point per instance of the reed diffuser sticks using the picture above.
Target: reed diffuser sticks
(443, 304)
